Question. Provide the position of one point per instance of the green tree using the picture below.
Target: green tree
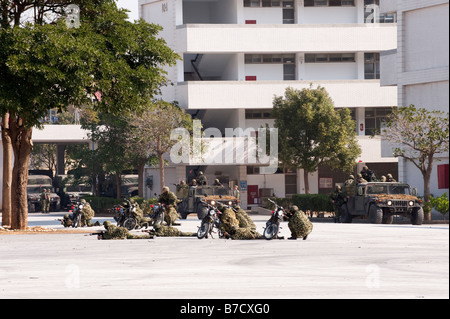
(312, 132)
(51, 66)
(418, 135)
(441, 204)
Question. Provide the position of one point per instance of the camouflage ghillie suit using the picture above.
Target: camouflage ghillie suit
(168, 231)
(139, 216)
(87, 213)
(237, 225)
(299, 223)
(66, 221)
(243, 218)
(170, 201)
(114, 232)
(229, 222)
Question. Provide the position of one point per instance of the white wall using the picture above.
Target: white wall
(265, 72)
(264, 15)
(327, 15)
(425, 38)
(330, 71)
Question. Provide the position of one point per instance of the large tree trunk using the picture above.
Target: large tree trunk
(7, 172)
(118, 186)
(427, 184)
(161, 170)
(305, 177)
(22, 145)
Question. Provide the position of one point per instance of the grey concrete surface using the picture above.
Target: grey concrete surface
(337, 261)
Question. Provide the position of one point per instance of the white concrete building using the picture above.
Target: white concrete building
(419, 69)
(238, 54)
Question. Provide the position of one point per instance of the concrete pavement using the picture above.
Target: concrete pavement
(336, 261)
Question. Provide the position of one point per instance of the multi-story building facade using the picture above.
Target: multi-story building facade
(419, 69)
(238, 54)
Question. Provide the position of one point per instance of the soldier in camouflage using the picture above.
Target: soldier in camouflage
(114, 232)
(169, 201)
(299, 224)
(168, 231)
(237, 225)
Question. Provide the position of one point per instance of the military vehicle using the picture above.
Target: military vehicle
(192, 200)
(380, 202)
(36, 184)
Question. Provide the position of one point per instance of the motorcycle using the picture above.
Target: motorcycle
(76, 214)
(273, 224)
(125, 217)
(210, 222)
(157, 213)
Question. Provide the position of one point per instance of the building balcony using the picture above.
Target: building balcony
(232, 38)
(260, 94)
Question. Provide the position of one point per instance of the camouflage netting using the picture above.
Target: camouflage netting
(400, 196)
(168, 231)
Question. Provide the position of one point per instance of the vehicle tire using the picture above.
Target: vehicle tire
(203, 230)
(201, 211)
(130, 223)
(417, 216)
(375, 215)
(346, 217)
(271, 231)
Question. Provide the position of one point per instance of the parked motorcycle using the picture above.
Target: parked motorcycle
(273, 224)
(125, 217)
(157, 213)
(210, 222)
(76, 214)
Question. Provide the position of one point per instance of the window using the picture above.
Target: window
(371, 66)
(258, 114)
(262, 3)
(374, 119)
(270, 58)
(331, 57)
(329, 3)
(372, 13)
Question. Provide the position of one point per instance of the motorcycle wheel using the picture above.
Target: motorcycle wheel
(159, 218)
(130, 223)
(77, 221)
(271, 231)
(203, 230)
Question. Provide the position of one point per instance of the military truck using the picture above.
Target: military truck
(35, 186)
(193, 197)
(381, 201)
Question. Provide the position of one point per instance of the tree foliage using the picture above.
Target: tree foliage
(115, 64)
(312, 132)
(418, 135)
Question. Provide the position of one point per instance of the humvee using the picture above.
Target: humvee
(381, 201)
(35, 186)
(193, 201)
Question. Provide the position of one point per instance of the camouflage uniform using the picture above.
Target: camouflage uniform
(182, 190)
(86, 214)
(45, 201)
(299, 224)
(201, 179)
(169, 200)
(337, 198)
(115, 232)
(390, 179)
(168, 231)
(350, 185)
(238, 225)
(360, 179)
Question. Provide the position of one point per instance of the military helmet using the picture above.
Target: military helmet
(165, 189)
(389, 175)
(351, 177)
(294, 208)
(359, 175)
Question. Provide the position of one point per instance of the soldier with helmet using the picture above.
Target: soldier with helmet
(169, 200)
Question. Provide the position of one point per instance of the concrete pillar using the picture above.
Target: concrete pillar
(60, 152)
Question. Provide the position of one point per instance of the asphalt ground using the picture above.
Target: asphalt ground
(337, 261)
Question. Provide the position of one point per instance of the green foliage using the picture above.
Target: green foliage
(312, 132)
(306, 202)
(441, 204)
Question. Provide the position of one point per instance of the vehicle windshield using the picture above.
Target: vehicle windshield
(39, 180)
(375, 189)
(37, 189)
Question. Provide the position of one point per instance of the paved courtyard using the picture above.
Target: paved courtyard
(336, 261)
